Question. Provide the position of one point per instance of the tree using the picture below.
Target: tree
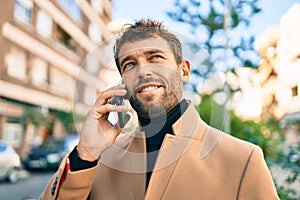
(216, 27)
(206, 21)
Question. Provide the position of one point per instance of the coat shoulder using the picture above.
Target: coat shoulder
(215, 139)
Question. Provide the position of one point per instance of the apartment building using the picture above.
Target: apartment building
(53, 60)
(280, 69)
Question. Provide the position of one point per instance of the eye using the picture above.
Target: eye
(128, 65)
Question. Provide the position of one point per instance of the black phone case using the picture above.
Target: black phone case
(118, 100)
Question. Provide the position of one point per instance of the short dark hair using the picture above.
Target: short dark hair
(143, 29)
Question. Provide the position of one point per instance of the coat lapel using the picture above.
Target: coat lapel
(172, 149)
(138, 147)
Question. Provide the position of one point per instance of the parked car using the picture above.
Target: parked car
(294, 157)
(49, 155)
(10, 162)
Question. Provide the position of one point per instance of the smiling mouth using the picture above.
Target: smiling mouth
(147, 88)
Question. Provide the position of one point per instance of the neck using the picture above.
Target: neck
(154, 125)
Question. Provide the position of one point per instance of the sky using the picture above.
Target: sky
(270, 15)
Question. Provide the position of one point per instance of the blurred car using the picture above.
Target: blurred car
(294, 154)
(10, 163)
(294, 157)
(49, 155)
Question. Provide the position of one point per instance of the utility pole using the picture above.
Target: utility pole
(227, 26)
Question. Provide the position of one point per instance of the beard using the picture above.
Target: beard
(167, 101)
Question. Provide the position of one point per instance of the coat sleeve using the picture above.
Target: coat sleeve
(75, 185)
(257, 182)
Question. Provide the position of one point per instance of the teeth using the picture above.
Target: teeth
(147, 89)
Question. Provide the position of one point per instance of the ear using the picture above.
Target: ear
(185, 69)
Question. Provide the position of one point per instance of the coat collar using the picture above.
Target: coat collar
(131, 144)
(190, 120)
(129, 153)
(186, 129)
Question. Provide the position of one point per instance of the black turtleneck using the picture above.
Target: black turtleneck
(156, 129)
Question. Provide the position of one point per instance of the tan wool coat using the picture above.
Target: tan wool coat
(197, 162)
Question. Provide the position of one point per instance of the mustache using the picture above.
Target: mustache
(148, 80)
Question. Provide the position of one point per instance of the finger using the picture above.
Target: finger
(105, 96)
(110, 108)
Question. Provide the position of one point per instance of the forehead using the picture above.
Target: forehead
(145, 44)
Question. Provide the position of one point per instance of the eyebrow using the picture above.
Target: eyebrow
(146, 52)
(152, 51)
(125, 59)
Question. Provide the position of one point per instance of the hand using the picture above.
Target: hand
(97, 133)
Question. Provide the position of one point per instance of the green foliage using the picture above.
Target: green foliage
(267, 135)
(36, 117)
(286, 192)
(68, 119)
(204, 109)
(270, 137)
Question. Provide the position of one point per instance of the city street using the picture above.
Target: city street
(232, 66)
(29, 187)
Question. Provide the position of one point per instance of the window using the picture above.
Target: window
(61, 83)
(16, 62)
(89, 96)
(64, 38)
(97, 5)
(95, 33)
(44, 24)
(92, 62)
(71, 8)
(79, 92)
(12, 133)
(295, 91)
(23, 11)
(39, 72)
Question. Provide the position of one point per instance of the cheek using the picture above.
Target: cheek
(129, 82)
(165, 72)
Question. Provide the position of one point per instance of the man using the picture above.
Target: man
(173, 154)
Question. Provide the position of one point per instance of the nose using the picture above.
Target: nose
(144, 70)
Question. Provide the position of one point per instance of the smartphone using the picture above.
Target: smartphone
(118, 117)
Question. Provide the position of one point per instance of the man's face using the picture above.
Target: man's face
(151, 75)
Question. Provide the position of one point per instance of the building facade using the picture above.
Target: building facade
(279, 71)
(50, 65)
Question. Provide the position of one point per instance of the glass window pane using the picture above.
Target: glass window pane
(61, 83)
(89, 96)
(95, 33)
(39, 72)
(97, 5)
(23, 11)
(44, 24)
(71, 8)
(16, 61)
